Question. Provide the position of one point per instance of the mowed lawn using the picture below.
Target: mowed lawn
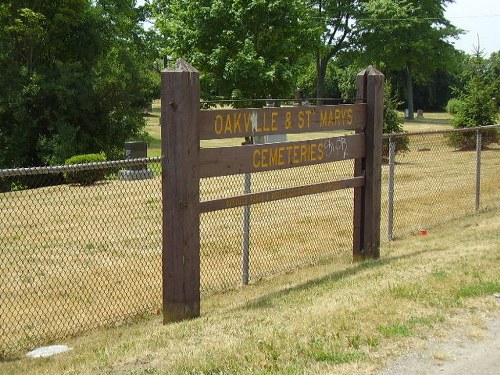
(77, 258)
(333, 317)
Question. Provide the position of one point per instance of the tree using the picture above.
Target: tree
(244, 48)
(409, 36)
(477, 105)
(493, 74)
(335, 20)
(74, 79)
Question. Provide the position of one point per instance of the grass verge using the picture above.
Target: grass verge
(334, 317)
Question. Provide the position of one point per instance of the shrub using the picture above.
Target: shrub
(476, 107)
(452, 106)
(87, 176)
(393, 123)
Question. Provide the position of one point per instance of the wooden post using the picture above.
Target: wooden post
(180, 106)
(366, 241)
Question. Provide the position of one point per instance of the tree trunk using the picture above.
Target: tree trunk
(409, 91)
(321, 65)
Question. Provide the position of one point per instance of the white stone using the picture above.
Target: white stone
(47, 351)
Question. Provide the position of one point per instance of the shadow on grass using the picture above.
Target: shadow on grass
(267, 300)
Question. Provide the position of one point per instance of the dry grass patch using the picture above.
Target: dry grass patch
(75, 258)
(334, 317)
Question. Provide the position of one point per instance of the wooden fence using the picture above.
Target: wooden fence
(184, 124)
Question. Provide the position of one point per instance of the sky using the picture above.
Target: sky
(477, 18)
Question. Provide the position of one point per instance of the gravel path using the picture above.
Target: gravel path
(460, 355)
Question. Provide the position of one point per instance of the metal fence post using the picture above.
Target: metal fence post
(478, 167)
(245, 252)
(390, 198)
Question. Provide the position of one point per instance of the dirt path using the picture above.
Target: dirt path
(459, 355)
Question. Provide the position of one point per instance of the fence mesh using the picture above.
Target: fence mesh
(435, 182)
(280, 234)
(78, 257)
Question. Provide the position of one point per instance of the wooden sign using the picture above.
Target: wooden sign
(239, 123)
(183, 124)
(226, 161)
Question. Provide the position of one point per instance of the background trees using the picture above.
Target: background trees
(407, 36)
(73, 79)
(76, 74)
(243, 48)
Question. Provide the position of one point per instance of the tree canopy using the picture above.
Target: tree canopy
(74, 79)
(407, 35)
(243, 48)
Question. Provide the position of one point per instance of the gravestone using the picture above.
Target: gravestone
(136, 150)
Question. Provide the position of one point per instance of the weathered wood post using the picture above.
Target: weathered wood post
(366, 242)
(180, 106)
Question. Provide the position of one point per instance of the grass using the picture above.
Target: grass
(76, 258)
(333, 317)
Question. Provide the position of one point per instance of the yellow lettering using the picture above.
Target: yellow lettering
(274, 127)
(237, 124)
(313, 152)
(288, 120)
(280, 156)
(349, 116)
(331, 117)
(274, 155)
(257, 159)
(338, 115)
(218, 124)
(265, 124)
(246, 118)
(308, 113)
(301, 119)
(323, 119)
(296, 159)
(303, 153)
(321, 148)
(228, 128)
(265, 157)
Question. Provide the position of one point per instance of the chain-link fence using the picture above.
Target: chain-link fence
(77, 257)
(441, 176)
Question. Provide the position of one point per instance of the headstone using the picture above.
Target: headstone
(420, 113)
(136, 150)
(298, 97)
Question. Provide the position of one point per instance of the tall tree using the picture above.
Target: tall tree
(242, 48)
(335, 22)
(407, 35)
(73, 79)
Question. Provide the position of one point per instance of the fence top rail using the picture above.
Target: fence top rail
(280, 100)
(446, 131)
(12, 172)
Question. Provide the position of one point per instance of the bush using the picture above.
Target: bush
(393, 123)
(452, 106)
(476, 107)
(88, 176)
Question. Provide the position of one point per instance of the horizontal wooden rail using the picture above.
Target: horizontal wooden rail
(273, 195)
(227, 161)
(236, 123)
